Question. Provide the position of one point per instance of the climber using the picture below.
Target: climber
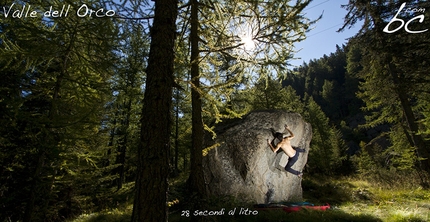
(292, 152)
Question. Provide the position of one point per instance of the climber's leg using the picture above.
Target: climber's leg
(291, 162)
(298, 149)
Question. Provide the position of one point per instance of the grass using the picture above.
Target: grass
(352, 199)
(120, 207)
(396, 200)
(114, 215)
(277, 216)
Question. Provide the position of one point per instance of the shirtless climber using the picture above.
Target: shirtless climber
(292, 152)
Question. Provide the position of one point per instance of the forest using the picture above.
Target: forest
(105, 106)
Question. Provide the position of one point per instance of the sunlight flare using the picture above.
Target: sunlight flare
(248, 42)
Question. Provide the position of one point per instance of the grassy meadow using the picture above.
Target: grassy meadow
(391, 198)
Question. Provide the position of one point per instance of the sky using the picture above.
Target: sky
(323, 38)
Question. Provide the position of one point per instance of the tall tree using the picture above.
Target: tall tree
(392, 72)
(57, 71)
(196, 179)
(328, 148)
(126, 87)
(154, 148)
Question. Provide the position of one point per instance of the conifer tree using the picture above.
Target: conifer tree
(53, 100)
(126, 86)
(328, 148)
(392, 75)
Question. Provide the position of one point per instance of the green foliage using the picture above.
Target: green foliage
(328, 150)
(115, 206)
(327, 82)
(71, 92)
(391, 78)
(425, 130)
(269, 94)
(327, 147)
(364, 162)
(226, 25)
(227, 63)
(52, 99)
(123, 111)
(401, 154)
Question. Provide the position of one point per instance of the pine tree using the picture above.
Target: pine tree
(392, 76)
(126, 104)
(328, 148)
(56, 89)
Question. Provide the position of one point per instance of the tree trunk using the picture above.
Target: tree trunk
(196, 179)
(153, 154)
(34, 186)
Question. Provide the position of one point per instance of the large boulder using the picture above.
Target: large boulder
(243, 165)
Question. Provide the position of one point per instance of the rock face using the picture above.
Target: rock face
(244, 166)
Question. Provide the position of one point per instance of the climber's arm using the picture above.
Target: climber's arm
(291, 136)
(273, 148)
